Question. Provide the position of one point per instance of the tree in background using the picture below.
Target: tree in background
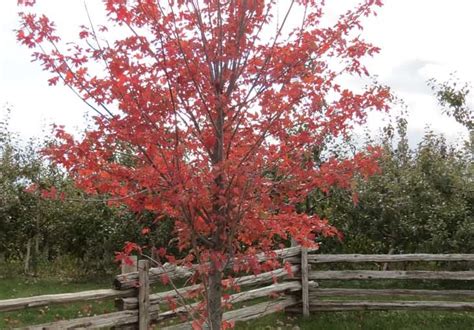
(452, 96)
(19, 167)
(44, 218)
(420, 202)
(204, 99)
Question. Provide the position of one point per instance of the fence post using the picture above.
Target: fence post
(143, 295)
(304, 281)
(125, 268)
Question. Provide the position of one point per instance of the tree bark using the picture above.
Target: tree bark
(36, 253)
(27, 257)
(214, 297)
(385, 265)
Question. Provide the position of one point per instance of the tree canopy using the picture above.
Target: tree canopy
(206, 112)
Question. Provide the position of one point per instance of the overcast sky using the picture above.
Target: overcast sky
(420, 39)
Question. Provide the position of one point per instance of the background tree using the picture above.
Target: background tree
(45, 219)
(19, 167)
(420, 202)
(453, 95)
(208, 96)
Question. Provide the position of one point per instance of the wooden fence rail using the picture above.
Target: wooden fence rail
(390, 275)
(356, 258)
(139, 307)
(248, 313)
(63, 298)
(129, 280)
(343, 292)
(338, 305)
(316, 304)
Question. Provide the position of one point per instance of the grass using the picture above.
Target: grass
(366, 320)
(20, 286)
(375, 320)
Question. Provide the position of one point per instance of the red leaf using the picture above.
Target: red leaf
(217, 135)
(288, 269)
(165, 279)
(26, 3)
(83, 34)
(129, 247)
(53, 81)
(161, 252)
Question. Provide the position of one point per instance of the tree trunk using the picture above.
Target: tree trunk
(385, 265)
(214, 297)
(36, 254)
(27, 257)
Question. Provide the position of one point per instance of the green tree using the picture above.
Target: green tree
(420, 202)
(452, 95)
(45, 218)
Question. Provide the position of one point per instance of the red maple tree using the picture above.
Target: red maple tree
(207, 112)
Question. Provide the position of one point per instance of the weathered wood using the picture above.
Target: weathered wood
(247, 313)
(331, 258)
(244, 281)
(63, 298)
(334, 305)
(264, 292)
(336, 292)
(235, 298)
(143, 294)
(392, 274)
(172, 313)
(156, 298)
(259, 310)
(132, 303)
(267, 277)
(116, 319)
(304, 282)
(129, 280)
(280, 254)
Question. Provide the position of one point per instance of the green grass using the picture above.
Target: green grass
(395, 320)
(20, 286)
(25, 287)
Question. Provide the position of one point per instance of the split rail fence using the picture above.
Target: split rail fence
(315, 298)
(139, 307)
